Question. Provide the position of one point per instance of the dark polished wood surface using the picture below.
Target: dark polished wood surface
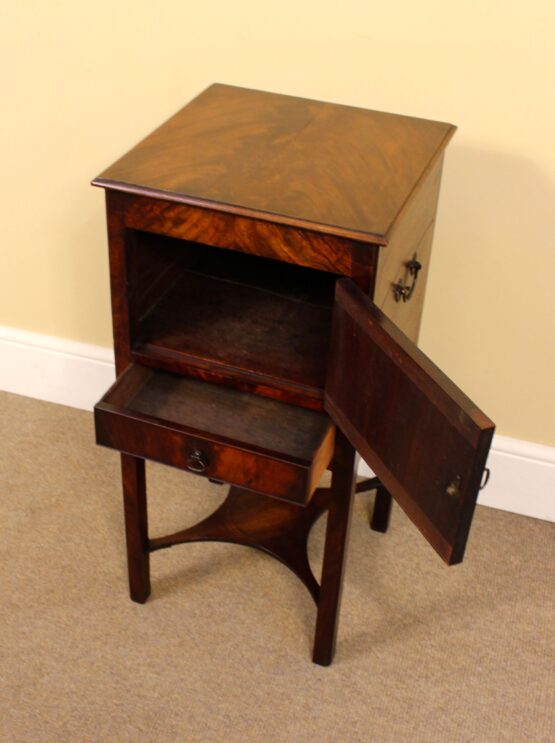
(266, 333)
(336, 169)
(277, 528)
(217, 432)
(424, 439)
(186, 298)
(293, 244)
(136, 526)
(335, 549)
(229, 230)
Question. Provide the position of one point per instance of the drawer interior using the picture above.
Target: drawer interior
(160, 415)
(251, 319)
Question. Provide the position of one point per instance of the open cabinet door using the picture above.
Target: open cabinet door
(425, 440)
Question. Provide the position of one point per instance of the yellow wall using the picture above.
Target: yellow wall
(82, 82)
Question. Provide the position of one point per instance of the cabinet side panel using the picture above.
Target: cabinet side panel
(412, 235)
(118, 282)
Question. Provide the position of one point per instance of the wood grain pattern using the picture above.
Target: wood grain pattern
(277, 528)
(418, 432)
(335, 550)
(119, 274)
(273, 387)
(332, 168)
(225, 325)
(246, 440)
(228, 229)
(246, 321)
(297, 245)
(136, 527)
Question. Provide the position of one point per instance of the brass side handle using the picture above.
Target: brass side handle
(402, 290)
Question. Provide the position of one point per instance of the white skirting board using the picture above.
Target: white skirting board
(54, 369)
(522, 478)
(77, 374)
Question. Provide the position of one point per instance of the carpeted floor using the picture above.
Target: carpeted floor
(221, 652)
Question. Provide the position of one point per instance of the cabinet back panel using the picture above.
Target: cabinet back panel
(236, 326)
(204, 311)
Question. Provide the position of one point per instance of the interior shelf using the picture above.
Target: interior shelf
(236, 314)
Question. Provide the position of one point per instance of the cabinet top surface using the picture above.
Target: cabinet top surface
(333, 168)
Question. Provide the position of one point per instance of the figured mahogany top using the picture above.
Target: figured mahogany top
(335, 169)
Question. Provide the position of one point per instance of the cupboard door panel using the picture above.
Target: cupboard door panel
(425, 440)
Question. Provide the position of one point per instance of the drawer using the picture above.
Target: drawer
(254, 442)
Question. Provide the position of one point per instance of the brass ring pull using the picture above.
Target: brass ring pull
(402, 290)
(197, 461)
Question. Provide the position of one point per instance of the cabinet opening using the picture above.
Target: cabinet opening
(227, 316)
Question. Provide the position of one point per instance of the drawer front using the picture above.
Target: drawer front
(202, 457)
(262, 465)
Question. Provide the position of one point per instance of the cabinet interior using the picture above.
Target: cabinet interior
(229, 316)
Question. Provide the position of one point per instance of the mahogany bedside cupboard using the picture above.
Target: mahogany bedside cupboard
(268, 261)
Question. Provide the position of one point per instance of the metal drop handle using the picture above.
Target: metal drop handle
(197, 461)
(454, 487)
(402, 290)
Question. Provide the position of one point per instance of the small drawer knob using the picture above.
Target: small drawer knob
(197, 461)
(454, 487)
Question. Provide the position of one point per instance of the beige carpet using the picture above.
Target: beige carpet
(221, 652)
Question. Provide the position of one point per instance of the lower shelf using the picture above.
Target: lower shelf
(279, 529)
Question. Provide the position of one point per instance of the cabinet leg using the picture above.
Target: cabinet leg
(337, 532)
(382, 510)
(136, 526)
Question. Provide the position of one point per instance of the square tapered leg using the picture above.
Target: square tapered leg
(382, 510)
(136, 526)
(335, 550)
